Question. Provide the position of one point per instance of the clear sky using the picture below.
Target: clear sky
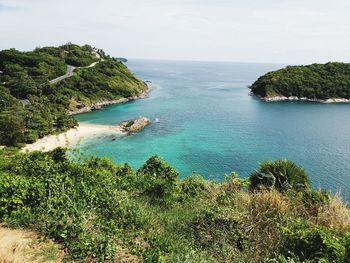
(278, 31)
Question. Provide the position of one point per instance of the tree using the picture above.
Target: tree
(159, 177)
(279, 174)
(12, 128)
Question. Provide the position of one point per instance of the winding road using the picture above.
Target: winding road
(70, 72)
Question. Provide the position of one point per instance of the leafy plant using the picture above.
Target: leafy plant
(281, 175)
(159, 178)
(313, 243)
(193, 186)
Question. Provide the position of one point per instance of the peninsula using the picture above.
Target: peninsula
(40, 90)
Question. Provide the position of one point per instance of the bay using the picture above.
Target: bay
(205, 121)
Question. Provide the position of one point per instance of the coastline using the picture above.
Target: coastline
(294, 98)
(72, 137)
(101, 104)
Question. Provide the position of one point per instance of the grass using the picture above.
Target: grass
(334, 214)
(47, 252)
(99, 211)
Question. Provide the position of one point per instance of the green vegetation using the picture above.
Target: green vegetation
(316, 81)
(101, 211)
(281, 175)
(31, 107)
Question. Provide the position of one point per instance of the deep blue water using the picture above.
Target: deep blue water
(208, 123)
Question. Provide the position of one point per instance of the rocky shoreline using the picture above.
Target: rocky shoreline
(294, 98)
(101, 104)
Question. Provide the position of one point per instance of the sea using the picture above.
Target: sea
(204, 120)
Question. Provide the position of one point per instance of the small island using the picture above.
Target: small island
(327, 83)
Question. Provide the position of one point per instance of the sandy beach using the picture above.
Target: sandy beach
(71, 137)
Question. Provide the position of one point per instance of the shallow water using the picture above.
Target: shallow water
(208, 123)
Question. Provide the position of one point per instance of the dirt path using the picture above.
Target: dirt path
(17, 246)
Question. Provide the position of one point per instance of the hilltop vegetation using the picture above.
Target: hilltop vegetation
(101, 211)
(316, 81)
(31, 107)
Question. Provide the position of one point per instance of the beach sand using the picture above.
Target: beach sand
(71, 137)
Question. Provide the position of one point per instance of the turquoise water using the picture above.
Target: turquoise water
(208, 123)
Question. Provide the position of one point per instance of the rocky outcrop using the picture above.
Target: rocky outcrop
(98, 105)
(133, 126)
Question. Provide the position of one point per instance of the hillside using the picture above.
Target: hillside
(100, 211)
(315, 82)
(32, 105)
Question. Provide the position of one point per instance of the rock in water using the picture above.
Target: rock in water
(133, 126)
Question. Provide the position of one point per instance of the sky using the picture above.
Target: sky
(268, 31)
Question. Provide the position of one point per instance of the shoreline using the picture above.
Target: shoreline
(75, 135)
(295, 98)
(72, 137)
(101, 104)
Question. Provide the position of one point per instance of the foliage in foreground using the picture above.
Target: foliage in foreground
(316, 81)
(101, 211)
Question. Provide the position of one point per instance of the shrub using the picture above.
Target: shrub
(13, 192)
(314, 243)
(280, 174)
(218, 230)
(312, 200)
(193, 186)
(159, 178)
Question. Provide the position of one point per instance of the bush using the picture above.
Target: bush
(314, 243)
(218, 230)
(312, 200)
(13, 192)
(159, 179)
(193, 186)
(281, 175)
